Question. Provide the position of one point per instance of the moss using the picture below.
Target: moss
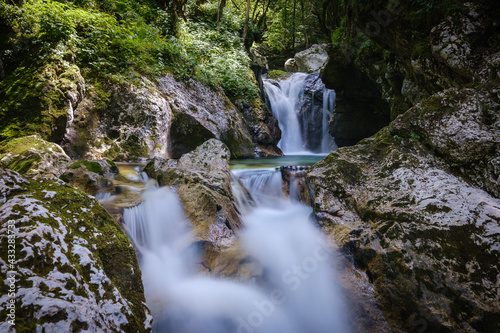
(115, 253)
(32, 100)
(89, 165)
(276, 74)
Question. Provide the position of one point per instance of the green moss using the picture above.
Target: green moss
(91, 166)
(276, 74)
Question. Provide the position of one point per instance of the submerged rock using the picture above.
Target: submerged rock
(74, 267)
(427, 237)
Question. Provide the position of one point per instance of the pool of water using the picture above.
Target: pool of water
(274, 162)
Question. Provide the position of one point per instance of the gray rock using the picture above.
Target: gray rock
(313, 59)
(427, 238)
(212, 109)
(74, 266)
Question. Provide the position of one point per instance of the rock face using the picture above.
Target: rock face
(263, 126)
(45, 99)
(212, 110)
(34, 157)
(75, 269)
(163, 119)
(417, 223)
(313, 59)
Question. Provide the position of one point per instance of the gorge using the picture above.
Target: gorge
(159, 171)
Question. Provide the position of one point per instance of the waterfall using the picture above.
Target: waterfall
(327, 141)
(298, 292)
(284, 103)
(303, 107)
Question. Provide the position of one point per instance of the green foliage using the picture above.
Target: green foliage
(119, 41)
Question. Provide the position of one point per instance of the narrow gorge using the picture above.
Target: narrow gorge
(249, 166)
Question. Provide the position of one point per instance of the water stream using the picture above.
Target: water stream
(298, 293)
(297, 290)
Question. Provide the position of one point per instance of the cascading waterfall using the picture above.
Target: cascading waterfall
(298, 293)
(284, 101)
(303, 130)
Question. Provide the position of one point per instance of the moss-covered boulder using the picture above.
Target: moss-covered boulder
(90, 176)
(74, 268)
(426, 235)
(40, 99)
(33, 157)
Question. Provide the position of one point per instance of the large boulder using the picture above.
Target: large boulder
(212, 110)
(163, 119)
(73, 268)
(202, 181)
(313, 59)
(33, 157)
(425, 234)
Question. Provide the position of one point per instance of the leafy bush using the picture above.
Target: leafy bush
(122, 40)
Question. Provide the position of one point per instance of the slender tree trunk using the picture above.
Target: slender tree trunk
(293, 23)
(302, 9)
(247, 15)
(220, 9)
(254, 10)
(263, 17)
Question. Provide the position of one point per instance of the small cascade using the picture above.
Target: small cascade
(303, 106)
(327, 141)
(297, 294)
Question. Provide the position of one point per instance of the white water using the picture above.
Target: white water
(327, 141)
(298, 295)
(284, 103)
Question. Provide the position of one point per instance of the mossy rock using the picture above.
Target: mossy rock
(34, 157)
(73, 260)
(89, 165)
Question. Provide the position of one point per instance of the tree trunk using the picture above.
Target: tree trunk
(254, 10)
(247, 15)
(293, 23)
(222, 5)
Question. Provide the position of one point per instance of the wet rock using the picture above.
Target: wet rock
(263, 127)
(425, 235)
(75, 269)
(90, 176)
(34, 157)
(202, 181)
